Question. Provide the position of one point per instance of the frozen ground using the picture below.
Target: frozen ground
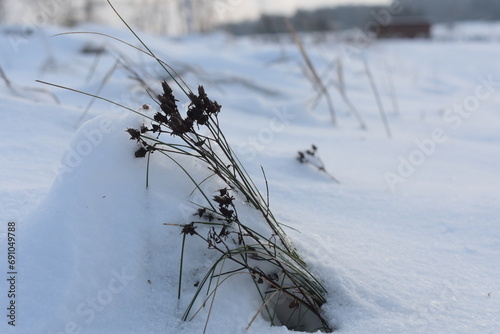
(409, 241)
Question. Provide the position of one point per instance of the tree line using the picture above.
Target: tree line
(181, 16)
(349, 16)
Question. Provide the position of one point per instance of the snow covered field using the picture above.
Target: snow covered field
(408, 242)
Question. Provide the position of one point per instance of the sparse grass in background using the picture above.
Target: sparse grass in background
(98, 51)
(318, 84)
(5, 78)
(343, 93)
(380, 105)
(23, 91)
(104, 80)
(392, 89)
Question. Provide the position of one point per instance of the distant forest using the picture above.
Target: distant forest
(184, 16)
(347, 17)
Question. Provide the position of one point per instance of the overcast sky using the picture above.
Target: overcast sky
(292, 5)
(251, 8)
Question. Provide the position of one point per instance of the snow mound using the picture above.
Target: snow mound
(100, 239)
(99, 234)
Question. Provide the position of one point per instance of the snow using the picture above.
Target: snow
(408, 242)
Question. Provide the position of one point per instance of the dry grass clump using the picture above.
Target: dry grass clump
(290, 294)
(260, 248)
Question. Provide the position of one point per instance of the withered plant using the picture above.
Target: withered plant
(380, 105)
(316, 80)
(290, 293)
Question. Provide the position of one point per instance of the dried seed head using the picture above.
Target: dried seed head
(156, 128)
(160, 118)
(195, 100)
(214, 107)
(199, 143)
(178, 125)
(188, 229)
(134, 133)
(188, 124)
(201, 92)
(141, 152)
(293, 304)
(301, 157)
(194, 113)
(167, 100)
(201, 107)
(224, 200)
(201, 212)
(203, 120)
(226, 212)
(166, 88)
(273, 276)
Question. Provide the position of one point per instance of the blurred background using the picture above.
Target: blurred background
(408, 243)
(177, 17)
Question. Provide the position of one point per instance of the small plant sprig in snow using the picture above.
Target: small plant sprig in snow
(311, 158)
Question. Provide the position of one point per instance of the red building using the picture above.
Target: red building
(405, 28)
